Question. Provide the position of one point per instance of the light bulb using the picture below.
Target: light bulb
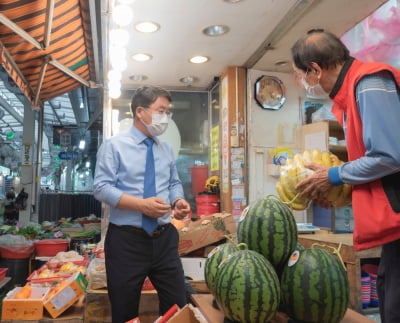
(119, 37)
(122, 15)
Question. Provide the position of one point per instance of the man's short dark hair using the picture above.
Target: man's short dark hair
(145, 96)
(321, 47)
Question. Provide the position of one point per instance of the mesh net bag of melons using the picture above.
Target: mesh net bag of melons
(294, 171)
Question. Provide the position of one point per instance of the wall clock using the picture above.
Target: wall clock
(269, 92)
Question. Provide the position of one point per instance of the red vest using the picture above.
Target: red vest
(375, 223)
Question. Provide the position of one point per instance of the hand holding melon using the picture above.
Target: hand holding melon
(294, 171)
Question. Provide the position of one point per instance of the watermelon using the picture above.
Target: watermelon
(299, 246)
(314, 287)
(213, 260)
(247, 287)
(269, 228)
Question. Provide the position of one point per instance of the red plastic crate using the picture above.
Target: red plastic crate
(3, 272)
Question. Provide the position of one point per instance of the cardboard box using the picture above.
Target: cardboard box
(206, 231)
(72, 315)
(200, 286)
(72, 230)
(24, 309)
(193, 267)
(343, 219)
(92, 226)
(188, 314)
(74, 287)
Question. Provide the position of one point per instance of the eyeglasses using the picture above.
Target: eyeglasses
(166, 112)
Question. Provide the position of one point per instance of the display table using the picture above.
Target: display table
(98, 309)
(351, 258)
(213, 315)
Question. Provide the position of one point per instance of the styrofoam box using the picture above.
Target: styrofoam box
(193, 267)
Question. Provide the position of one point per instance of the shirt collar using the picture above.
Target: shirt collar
(341, 77)
(140, 136)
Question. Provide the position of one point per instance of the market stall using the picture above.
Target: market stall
(54, 206)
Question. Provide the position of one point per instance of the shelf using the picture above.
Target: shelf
(370, 310)
(337, 148)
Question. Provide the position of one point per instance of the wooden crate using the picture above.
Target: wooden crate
(98, 309)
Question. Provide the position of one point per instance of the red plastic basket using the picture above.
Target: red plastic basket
(16, 251)
(50, 247)
(3, 272)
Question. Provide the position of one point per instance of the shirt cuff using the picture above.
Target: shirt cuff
(334, 178)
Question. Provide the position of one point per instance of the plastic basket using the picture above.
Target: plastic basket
(3, 272)
(50, 247)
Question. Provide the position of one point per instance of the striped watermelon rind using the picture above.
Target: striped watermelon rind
(213, 260)
(269, 228)
(247, 287)
(314, 287)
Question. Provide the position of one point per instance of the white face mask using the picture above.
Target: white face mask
(158, 125)
(314, 92)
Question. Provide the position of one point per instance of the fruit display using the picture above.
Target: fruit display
(24, 292)
(293, 172)
(314, 287)
(268, 268)
(268, 227)
(247, 287)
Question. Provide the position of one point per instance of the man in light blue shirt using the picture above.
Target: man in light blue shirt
(131, 253)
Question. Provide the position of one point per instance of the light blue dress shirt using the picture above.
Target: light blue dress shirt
(120, 168)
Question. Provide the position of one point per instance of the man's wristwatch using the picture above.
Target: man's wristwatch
(173, 204)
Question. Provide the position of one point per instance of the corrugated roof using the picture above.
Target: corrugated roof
(46, 46)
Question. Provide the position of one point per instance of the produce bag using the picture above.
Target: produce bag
(15, 247)
(293, 172)
(96, 274)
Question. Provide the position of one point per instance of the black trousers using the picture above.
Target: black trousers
(388, 283)
(131, 255)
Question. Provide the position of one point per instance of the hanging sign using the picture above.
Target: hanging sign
(26, 155)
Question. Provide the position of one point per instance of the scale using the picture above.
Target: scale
(306, 228)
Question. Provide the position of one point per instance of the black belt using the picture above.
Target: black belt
(156, 233)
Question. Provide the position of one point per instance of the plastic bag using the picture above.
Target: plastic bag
(96, 274)
(293, 172)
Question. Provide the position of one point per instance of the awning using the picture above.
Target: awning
(46, 46)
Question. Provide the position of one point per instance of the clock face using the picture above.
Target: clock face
(269, 92)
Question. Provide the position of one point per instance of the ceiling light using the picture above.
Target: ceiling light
(82, 144)
(115, 93)
(198, 59)
(122, 15)
(114, 75)
(281, 63)
(138, 77)
(119, 37)
(147, 27)
(141, 57)
(215, 30)
(232, 1)
(188, 79)
(118, 58)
